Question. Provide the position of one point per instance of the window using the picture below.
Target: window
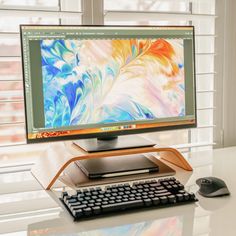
(12, 127)
(199, 13)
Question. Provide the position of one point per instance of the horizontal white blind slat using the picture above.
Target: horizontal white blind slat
(206, 91)
(29, 8)
(192, 145)
(38, 13)
(206, 73)
(155, 15)
(10, 58)
(206, 108)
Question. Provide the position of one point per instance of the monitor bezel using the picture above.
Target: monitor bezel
(110, 133)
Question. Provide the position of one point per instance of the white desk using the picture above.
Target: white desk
(26, 209)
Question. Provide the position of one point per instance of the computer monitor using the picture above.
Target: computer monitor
(100, 82)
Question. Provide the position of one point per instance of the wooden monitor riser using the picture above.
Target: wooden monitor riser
(58, 156)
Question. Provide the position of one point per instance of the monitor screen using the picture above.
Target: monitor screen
(101, 81)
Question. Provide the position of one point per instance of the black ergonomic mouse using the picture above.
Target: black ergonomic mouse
(212, 187)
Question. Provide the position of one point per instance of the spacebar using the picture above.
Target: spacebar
(122, 206)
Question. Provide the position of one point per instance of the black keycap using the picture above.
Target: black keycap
(74, 204)
(87, 211)
(128, 188)
(181, 191)
(138, 198)
(64, 194)
(175, 186)
(186, 196)
(122, 206)
(169, 187)
(179, 197)
(77, 213)
(81, 195)
(96, 210)
(181, 186)
(156, 201)
(164, 200)
(160, 188)
(154, 185)
(75, 208)
(78, 192)
(147, 202)
(71, 200)
(192, 196)
(171, 199)
(162, 194)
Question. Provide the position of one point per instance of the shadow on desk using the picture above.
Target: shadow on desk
(173, 221)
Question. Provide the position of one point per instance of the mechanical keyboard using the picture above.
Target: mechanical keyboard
(93, 202)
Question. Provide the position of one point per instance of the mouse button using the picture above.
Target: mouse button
(206, 181)
(204, 189)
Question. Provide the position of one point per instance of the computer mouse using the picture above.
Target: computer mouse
(212, 187)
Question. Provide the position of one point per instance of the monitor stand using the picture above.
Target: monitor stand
(60, 156)
(103, 167)
(113, 143)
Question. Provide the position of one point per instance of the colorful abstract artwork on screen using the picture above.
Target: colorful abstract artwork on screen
(111, 81)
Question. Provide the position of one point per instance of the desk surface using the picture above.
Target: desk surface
(26, 209)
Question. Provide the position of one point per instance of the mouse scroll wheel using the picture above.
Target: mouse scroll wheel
(206, 181)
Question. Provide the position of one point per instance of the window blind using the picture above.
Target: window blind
(12, 14)
(199, 13)
(202, 15)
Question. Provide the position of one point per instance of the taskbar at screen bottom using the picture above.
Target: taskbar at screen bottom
(110, 129)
